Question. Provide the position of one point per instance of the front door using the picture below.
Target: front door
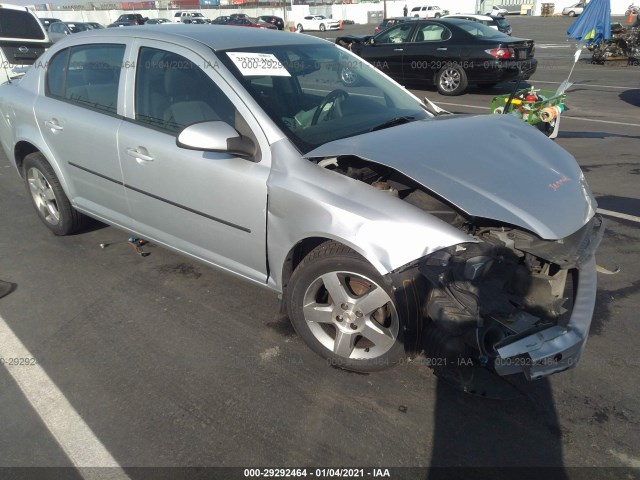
(387, 50)
(209, 205)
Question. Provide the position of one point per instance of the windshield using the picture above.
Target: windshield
(502, 22)
(320, 93)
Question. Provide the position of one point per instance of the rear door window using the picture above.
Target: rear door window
(87, 75)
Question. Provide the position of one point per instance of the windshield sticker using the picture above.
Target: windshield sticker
(258, 64)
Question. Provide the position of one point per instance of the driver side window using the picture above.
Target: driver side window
(397, 34)
(172, 92)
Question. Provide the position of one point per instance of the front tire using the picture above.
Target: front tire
(48, 197)
(322, 27)
(451, 80)
(344, 310)
(572, 13)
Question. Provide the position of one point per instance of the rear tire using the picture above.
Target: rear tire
(344, 310)
(48, 197)
(451, 80)
(299, 28)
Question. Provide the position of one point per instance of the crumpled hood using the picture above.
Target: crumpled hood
(490, 166)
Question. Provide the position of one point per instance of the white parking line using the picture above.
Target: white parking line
(460, 105)
(610, 122)
(578, 84)
(71, 432)
(624, 216)
(553, 45)
(567, 117)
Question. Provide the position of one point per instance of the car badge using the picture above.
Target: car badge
(558, 183)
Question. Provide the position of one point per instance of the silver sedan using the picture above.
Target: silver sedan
(380, 224)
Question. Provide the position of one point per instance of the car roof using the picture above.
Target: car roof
(469, 15)
(447, 21)
(399, 18)
(216, 37)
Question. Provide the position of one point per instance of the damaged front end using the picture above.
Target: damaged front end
(513, 302)
(518, 296)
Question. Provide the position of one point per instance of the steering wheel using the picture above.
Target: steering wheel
(332, 97)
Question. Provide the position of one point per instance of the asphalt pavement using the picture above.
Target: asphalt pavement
(159, 361)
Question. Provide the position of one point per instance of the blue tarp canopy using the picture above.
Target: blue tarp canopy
(594, 23)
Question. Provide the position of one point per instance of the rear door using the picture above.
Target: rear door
(78, 118)
(431, 50)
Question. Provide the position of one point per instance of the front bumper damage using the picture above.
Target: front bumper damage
(556, 348)
(517, 304)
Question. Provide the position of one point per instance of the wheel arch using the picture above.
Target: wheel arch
(25, 147)
(20, 151)
(304, 246)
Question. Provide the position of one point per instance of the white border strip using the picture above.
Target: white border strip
(72, 433)
(582, 119)
(624, 216)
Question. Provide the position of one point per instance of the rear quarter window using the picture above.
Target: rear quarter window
(20, 24)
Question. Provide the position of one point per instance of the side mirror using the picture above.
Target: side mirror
(215, 136)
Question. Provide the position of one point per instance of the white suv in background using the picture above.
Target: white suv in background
(187, 17)
(22, 40)
(428, 11)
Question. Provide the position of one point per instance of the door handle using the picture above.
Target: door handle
(441, 49)
(398, 49)
(140, 157)
(53, 125)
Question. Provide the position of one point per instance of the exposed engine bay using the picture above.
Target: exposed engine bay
(482, 296)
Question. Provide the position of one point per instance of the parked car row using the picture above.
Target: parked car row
(245, 21)
(497, 23)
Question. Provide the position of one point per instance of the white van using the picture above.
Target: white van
(22, 40)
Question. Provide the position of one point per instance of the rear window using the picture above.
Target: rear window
(480, 31)
(20, 24)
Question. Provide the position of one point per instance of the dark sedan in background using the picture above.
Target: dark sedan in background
(273, 20)
(249, 22)
(450, 54)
